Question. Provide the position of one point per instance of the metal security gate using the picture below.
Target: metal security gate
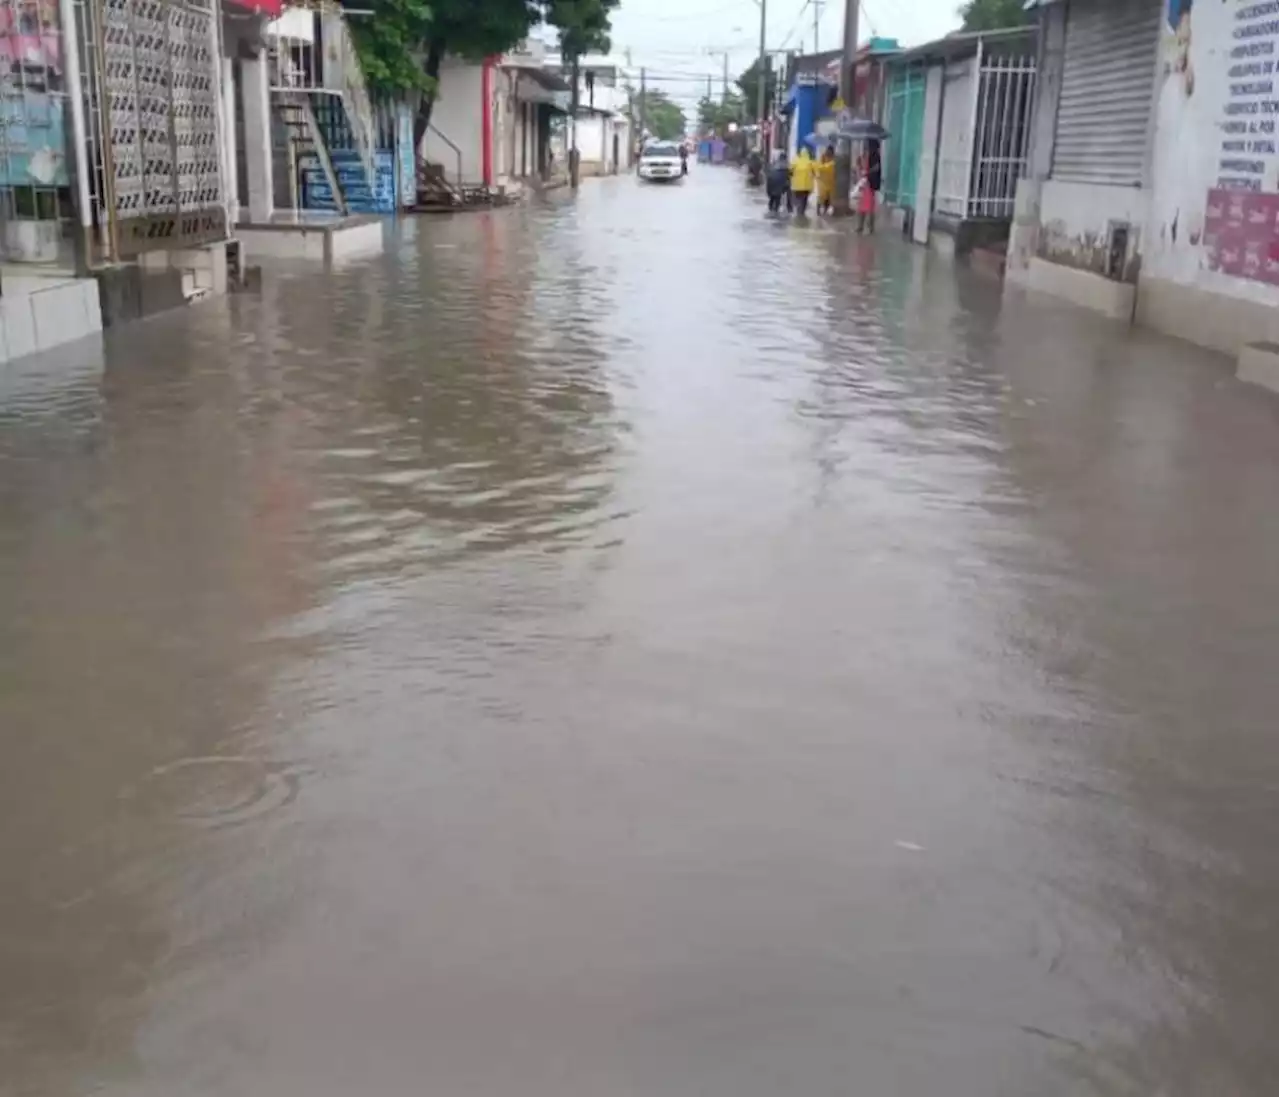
(1108, 77)
(1006, 88)
(905, 123)
(152, 75)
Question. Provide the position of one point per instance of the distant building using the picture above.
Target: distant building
(813, 83)
(603, 126)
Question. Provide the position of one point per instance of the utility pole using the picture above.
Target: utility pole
(844, 149)
(574, 101)
(724, 87)
(817, 17)
(644, 107)
(762, 82)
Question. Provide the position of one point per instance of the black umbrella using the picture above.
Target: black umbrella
(859, 129)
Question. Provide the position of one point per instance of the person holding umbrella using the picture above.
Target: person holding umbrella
(869, 177)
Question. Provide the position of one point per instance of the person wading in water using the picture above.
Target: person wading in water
(868, 186)
(778, 182)
(825, 170)
(802, 180)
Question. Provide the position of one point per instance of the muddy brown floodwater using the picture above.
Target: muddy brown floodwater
(629, 647)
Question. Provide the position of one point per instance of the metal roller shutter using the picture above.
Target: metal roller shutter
(1108, 79)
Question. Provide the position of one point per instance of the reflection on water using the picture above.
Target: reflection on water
(629, 645)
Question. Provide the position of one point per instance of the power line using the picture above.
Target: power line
(870, 22)
(822, 10)
(795, 26)
(662, 74)
(701, 14)
(737, 44)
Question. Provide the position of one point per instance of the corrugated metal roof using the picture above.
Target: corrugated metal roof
(961, 44)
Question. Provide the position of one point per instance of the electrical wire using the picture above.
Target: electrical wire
(862, 7)
(689, 16)
(796, 25)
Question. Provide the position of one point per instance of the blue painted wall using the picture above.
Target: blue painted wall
(316, 194)
(811, 104)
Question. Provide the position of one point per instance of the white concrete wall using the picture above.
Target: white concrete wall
(592, 131)
(40, 313)
(259, 162)
(297, 23)
(928, 153)
(957, 137)
(620, 127)
(515, 135)
(505, 121)
(1024, 233)
(457, 114)
(1211, 247)
(1215, 133)
(1076, 219)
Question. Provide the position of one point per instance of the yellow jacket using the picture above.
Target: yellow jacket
(802, 172)
(825, 170)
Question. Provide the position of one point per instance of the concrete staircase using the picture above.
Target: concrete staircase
(319, 95)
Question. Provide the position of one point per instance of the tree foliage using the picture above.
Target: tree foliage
(992, 14)
(714, 115)
(583, 25)
(392, 45)
(403, 42)
(662, 117)
(749, 82)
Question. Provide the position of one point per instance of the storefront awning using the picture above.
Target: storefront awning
(547, 79)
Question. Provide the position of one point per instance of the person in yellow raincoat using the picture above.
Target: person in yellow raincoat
(801, 180)
(825, 170)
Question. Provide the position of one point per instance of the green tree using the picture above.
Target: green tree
(661, 116)
(992, 14)
(583, 26)
(392, 45)
(401, 34)
(749, 82)
(715, 115)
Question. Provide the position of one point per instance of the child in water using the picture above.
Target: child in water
(826, 173)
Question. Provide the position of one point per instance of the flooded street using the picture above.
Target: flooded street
(630, 647)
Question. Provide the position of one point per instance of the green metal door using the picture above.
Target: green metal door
(905, 122)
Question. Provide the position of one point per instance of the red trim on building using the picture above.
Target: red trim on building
(272, 9)
(486, 121)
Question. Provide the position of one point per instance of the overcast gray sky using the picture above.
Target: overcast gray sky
(680, 42)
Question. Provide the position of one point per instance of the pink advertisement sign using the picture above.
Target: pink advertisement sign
(31, 43)
(1242, 234)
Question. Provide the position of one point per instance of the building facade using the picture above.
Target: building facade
(958, 113)
(1151, 188)
(602, 130)
(112, 163)
(492, 121)
(1082, 204)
